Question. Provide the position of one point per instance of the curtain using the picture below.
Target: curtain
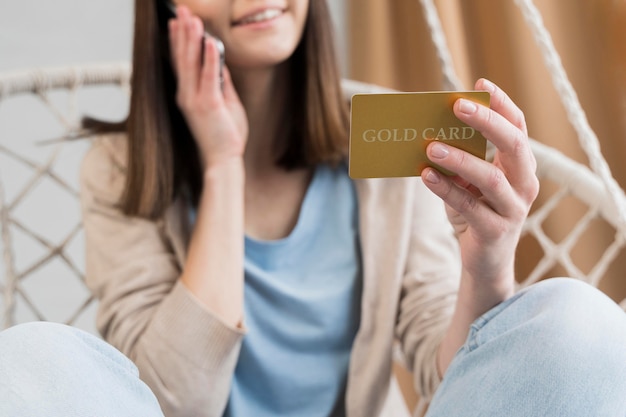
(390, 45)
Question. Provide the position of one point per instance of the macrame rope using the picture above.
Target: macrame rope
(9, 262)
(451, 78)
(575, 113)
(39, 83)
(64, 78)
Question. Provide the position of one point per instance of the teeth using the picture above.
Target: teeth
(261, 16)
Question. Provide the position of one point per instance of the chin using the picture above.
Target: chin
(272, 56)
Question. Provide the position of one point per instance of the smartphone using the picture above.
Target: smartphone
(220, 45)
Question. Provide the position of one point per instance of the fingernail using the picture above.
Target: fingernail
(439, 151)
(489, 86)
(467, 107)
(432, 176)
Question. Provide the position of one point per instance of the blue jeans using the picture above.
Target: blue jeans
(557, 348)
(53, 370)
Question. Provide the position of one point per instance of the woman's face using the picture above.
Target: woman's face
(256, 33)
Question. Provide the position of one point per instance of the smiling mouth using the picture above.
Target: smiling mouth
(262, 16)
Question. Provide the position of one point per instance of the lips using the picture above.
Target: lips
(260, 16)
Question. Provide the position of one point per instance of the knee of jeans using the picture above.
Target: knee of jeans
(570, 293)
(32, 335)
(579, 313)
(45, 341)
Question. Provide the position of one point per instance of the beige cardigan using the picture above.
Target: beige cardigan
(187, 356)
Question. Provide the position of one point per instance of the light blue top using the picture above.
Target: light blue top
(302, 307)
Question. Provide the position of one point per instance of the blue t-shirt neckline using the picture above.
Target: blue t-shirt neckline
(307, 217)
(302, 304)
(268, 252)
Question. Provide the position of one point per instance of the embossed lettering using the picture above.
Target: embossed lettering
(369, 135)
(386, 135)
(450, 133)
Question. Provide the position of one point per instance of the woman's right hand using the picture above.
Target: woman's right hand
(216, 118)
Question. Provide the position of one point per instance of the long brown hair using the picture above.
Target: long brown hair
(163, 160)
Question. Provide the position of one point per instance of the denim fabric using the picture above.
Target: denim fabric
(53, 370)
(557, 348)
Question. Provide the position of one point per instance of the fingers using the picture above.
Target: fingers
(473, 210)
(197, 72)
(502, 133)
(230, 94)
(502, 103)
(191, 38)
(210, 76)
(478, 183)
(487, 195)
(178, 37)
(504, 126)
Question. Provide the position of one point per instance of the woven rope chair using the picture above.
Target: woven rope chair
(37, 166)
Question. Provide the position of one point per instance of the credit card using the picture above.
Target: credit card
(389, 133)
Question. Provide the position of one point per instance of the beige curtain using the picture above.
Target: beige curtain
(390, 45)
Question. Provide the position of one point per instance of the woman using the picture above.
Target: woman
(244, 273)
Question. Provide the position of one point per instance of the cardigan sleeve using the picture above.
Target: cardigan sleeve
(429, 289)
(185, 354)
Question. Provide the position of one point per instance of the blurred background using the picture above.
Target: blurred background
(390, 44)
(382, 42)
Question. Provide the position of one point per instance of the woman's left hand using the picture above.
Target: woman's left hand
(487, 203)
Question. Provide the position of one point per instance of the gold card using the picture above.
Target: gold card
(389, 132)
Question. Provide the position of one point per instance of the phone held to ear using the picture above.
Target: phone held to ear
(220, 45)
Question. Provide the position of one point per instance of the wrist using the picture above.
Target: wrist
(480, 294)
(232, 167)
